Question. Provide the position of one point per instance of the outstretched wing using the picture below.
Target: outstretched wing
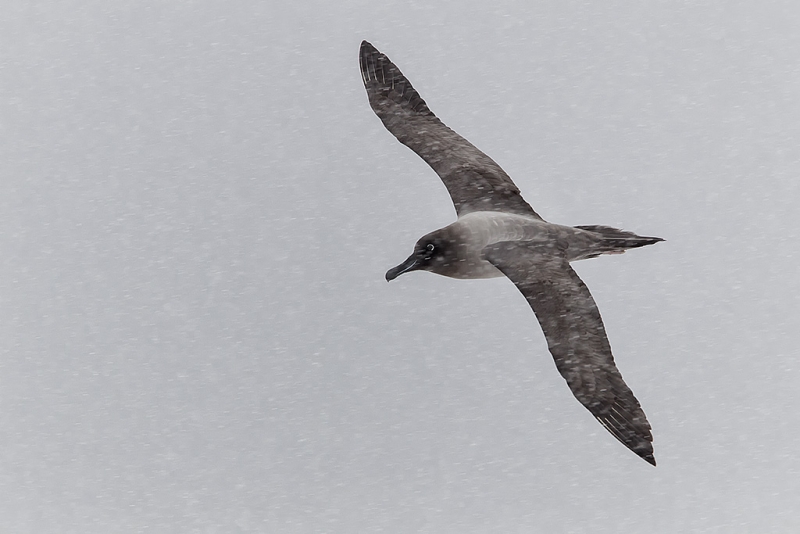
(475, 182)
(576, 338)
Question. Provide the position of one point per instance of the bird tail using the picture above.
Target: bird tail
(615, 241)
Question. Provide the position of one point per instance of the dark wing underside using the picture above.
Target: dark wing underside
(576, 338)
(475, 182)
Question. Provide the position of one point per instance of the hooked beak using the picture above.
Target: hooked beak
(411, 264)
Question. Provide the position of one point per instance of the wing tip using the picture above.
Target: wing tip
(371, 61)
(368, 53)
(384, 81)
(365, 54)
(643, 449)
(366, 48)
(639, 442)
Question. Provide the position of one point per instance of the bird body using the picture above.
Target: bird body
(463, 242)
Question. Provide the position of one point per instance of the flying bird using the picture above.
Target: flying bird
(498, 234)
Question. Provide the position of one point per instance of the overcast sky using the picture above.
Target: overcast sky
(198, 206)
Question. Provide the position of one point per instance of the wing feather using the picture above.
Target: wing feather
(475, 182)
(576, 338)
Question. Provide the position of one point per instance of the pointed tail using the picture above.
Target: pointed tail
(615, 240)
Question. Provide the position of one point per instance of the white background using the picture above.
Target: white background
(197, 208)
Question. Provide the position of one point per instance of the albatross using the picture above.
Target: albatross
(498, 234)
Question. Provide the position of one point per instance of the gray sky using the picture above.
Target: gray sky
(198, 207)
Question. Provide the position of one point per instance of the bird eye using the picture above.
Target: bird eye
(429, 247)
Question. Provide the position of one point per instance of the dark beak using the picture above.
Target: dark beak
(411, 264)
